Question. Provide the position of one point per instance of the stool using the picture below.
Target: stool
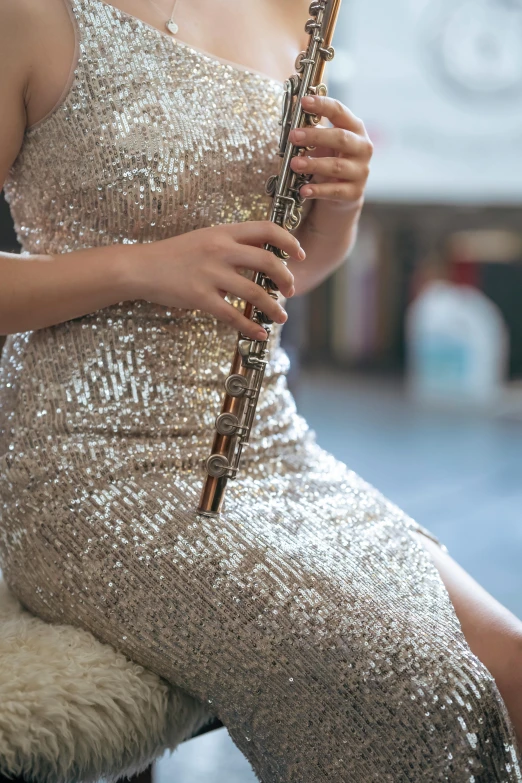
(74, 710)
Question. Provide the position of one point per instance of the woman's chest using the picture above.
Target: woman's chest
(264, 35)
(153, 139)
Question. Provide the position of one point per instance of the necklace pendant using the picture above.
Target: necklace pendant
(172, 27)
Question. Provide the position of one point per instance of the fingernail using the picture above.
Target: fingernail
(285, 314)
(306, 191)
(299, 135)
(292, 291)
(302, 254)
(261, 335)
(309, 100)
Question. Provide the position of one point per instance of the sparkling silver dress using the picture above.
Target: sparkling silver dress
(308, 616)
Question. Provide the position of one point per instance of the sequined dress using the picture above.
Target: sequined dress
(308, 617)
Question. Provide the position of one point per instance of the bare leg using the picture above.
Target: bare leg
(493, 633)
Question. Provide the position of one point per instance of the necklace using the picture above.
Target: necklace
(170, 24)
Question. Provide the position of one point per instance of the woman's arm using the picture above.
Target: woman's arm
(40, 291)
(340, 168)
(37, 291)
(192, 271)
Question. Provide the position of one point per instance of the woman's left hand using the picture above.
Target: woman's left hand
(340, 164)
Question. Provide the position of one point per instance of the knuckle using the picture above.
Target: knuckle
(343, 137)
(283, 282)
(216, 244)
(277, 311)
(277, 230)
(254, 293)
(229, 315)
(271, 265)
(271, 305)
(264, 304)
(211, 281)
(264, 297)
(278, 277)
(199, 292)
(279, 272)
(338, 167)
(279, 236)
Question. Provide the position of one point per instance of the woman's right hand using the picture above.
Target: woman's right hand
(197, 269)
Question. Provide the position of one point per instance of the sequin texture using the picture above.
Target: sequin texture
(308, 617)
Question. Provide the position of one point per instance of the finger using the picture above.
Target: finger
(335, 111)
(256, 295)
(338, 168)
(231, 316)
(264, 261)
(334, 191)
(337, 139)
(266, 232)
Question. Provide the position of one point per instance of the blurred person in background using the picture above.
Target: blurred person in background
(333, 635)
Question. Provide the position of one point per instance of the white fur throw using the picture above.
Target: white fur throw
(73, 710)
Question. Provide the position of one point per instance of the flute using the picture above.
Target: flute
(243, 385)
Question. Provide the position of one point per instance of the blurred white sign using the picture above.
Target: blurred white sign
(439, 86)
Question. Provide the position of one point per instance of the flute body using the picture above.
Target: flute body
(243, 385)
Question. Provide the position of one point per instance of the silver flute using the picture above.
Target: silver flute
(243, 385)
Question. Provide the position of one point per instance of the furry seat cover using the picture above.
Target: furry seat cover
(73, 709)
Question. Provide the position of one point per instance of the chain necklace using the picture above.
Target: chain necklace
(170, 24)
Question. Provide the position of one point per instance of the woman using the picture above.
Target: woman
(334, 636)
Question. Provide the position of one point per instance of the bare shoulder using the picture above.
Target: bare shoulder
(26, 23)
(20, 30)
(36, 51)
(18, 21)
(41, 38)
(13, 13)
(21, 21)
(21, 17)
(15, 68)
(17, 18)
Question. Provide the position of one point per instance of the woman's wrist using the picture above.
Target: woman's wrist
(327, 234)
(129, 270)
(329, 228)
(337, 215)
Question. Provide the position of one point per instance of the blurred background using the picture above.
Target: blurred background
(408, 361)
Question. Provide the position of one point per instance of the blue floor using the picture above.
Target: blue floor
(459, 475)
